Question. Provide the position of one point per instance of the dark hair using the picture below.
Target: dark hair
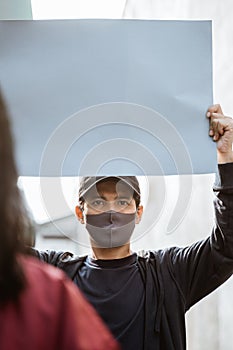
(13, 217)
(136, 196)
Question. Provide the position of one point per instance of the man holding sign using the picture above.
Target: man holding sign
(143, 298)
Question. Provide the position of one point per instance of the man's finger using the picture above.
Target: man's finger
(216, 137)
(216, 128)
(215, 115)
(215, 109)
(211, 132)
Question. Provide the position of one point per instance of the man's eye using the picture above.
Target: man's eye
(123, 203)
(97, 203)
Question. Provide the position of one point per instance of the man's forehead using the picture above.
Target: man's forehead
(110, 186)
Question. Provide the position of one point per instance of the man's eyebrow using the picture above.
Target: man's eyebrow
(124, 197)
(95, 197)
(118, 196)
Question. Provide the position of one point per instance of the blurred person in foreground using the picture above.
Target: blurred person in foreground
(40, 308)
(143, 298)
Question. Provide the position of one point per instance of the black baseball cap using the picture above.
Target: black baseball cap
(87, 182)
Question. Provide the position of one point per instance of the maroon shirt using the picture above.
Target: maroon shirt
(51, 314)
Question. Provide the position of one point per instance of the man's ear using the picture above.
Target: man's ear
(139, 214)
(79, 214)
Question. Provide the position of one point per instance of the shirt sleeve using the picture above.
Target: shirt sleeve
(51, 257)
(205, 265)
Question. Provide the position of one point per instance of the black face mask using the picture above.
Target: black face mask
(110, 229)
